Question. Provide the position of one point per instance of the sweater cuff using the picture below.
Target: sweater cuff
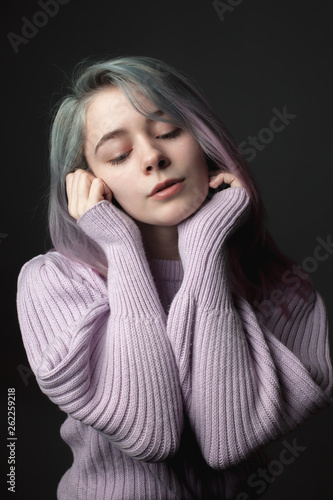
(209, 285)
(105, 223)
(202, 236)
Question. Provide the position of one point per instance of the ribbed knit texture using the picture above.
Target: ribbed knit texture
(167, 379)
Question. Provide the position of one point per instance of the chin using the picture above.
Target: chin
(161, 221)
(171, 221)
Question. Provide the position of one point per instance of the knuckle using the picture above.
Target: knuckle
(97, 181)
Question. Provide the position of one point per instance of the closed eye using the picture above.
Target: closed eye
(171, 135)
(119, 159)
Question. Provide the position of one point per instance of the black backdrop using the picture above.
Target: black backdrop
(252, 59)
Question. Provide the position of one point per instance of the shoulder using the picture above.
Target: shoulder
(53, 270)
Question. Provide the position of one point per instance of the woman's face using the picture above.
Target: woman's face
(133, 154)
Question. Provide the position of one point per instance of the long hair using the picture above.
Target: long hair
(256, 264)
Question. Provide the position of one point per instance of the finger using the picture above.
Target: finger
(96, 192)
(107, 193)
(99, 191)
(224, 177)
(78, 187)
(83, 187)
(69, 182)
(73, 195)
(69, 191)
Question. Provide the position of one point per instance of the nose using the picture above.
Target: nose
(153, 158)
(161, 164)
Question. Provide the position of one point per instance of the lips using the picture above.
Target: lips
(164, 185)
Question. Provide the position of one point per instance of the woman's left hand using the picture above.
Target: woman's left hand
(226, 177)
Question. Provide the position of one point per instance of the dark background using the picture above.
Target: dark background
(262, 55)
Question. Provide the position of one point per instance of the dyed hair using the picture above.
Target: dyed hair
(256, 265)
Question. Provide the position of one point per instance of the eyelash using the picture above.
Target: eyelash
(168, 136)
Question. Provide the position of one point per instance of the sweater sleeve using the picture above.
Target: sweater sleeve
(242, 386)
(101, 352)
(303, 329)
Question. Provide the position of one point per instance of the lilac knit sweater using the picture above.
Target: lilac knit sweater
(171, 384)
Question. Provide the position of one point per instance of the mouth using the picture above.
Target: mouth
(164, 185)
(168, 190)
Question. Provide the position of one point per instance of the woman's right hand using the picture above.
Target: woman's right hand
(84, 190)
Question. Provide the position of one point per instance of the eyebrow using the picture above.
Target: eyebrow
(119, 132)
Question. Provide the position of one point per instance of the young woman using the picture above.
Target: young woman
(146, 323)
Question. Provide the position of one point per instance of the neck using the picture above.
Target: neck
(160, 242)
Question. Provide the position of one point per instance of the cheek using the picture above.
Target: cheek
(200, 172)
(125, 194)
(197, 163)
(122, 187)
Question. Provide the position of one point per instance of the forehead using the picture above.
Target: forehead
(111, 108)
(114, 99)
